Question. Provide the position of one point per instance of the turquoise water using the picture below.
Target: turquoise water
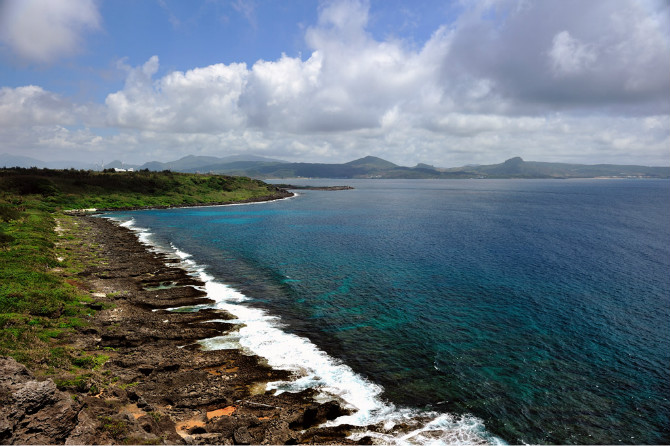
(542, 307)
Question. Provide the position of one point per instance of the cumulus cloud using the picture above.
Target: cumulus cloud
(199, 100)
(32, 105)
(538, 81)
(340, 87)
(476, 66)
(44, 30)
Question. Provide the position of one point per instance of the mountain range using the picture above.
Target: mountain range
(367, 167)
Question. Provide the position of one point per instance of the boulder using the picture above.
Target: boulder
(33, 412)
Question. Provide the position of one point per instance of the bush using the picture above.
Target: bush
(28, 185)
(5, 239)
(9, 213)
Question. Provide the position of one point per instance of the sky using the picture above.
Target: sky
(446, 83)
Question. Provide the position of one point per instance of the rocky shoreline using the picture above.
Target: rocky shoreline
(157, 385)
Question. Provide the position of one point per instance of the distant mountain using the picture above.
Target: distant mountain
(187, 162)
(116, 164)
(366, 167)
(518, 168)
(234, 158)
(424, 166)
(372, 163)
(7, 160)
(235, 167)
(373, 167)
(192, 163)
(268, 168)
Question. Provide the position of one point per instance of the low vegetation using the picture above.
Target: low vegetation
(55, 190)
(41, 305)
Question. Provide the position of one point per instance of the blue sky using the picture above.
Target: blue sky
(441, 82)
(188, 34)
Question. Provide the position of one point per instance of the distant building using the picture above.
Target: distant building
(116, 169)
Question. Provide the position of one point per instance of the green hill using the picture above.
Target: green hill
(372, 163)
(518, 168)
(192, 163)
(54, 190)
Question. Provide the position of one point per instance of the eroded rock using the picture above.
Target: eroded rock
(33, 412)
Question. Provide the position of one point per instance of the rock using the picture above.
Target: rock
(85, 431)
(168, 429)
(5, 428)
(223, 425)
(34, 412)
(132, 395)
(318, 414)
(123, 428)
(242, 436)
(278, 432)
(324, 435)
(35, 395)
(11, 372)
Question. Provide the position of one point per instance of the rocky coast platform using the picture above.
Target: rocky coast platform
(156, 385)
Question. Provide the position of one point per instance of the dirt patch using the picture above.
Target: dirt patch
(225, 412)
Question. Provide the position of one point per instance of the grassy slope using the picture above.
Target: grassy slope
(39, 309)
(54, 190)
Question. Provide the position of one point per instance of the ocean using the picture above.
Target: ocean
(518, 311)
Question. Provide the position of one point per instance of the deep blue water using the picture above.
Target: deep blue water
(540, 306)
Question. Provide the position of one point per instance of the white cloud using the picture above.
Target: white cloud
(277, 92)
(345, 19)
(540, 83)
(32, 105)
(44, 30)
(569, 56)
(199, 100)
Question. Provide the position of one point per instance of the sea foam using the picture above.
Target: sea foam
(261, 334)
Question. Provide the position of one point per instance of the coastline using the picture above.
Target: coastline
(158, 385)
(162, 381)
(363, 418)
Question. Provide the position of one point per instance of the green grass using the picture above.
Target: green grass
(78, 383)
(26, 283)
(116, 429)
(37, 307)
(72, 189)
(90, 361)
